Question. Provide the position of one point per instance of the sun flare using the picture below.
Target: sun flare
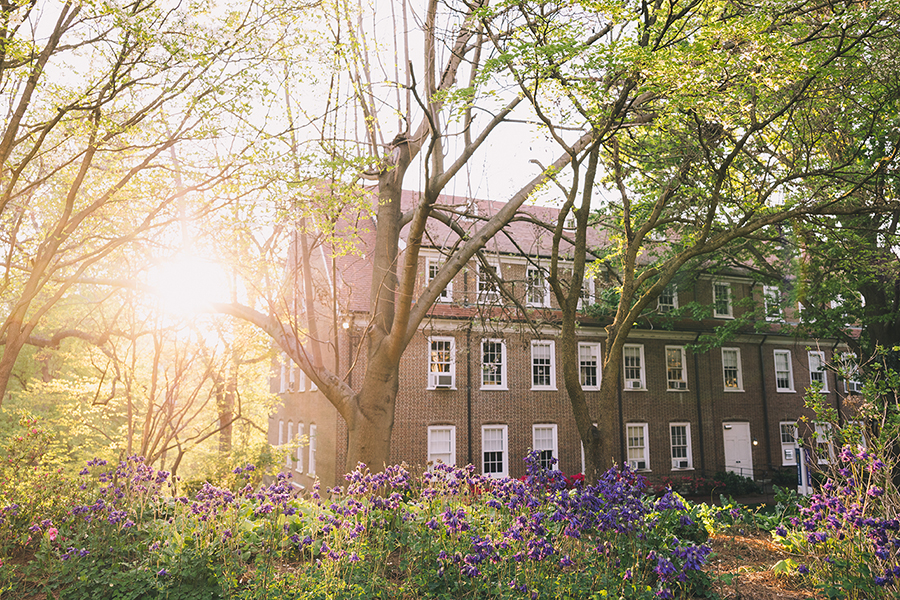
(188, 284)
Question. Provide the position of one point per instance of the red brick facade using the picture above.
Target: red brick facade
(661, 425)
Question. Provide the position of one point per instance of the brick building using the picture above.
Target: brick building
(479, 385)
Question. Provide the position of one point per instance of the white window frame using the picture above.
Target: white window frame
(551, 346)
(553, 445)
(588, 293)
(492, 294)
(664, 308)
(530, 295)
(680, 384)
(630, 381)
(282, 384)
(786, 356)
(598, 376)
(503, 384)
(772, 304)
(292, 377)
(740, 371)
(300, 379)
(848, 364)
(729, 312)
(433, 430)
(281, 432)
(504, 450)
(678, 461)
(787, 433)
(433, 382)
(634, 462)
(298, 455)
(290, 438)
(313, 442)
(817, 365)
(823, 443)
(446, 294)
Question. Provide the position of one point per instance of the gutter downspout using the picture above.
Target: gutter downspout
(699, 408)
(765, 403)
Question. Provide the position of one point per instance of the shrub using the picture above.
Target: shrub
(445, 533)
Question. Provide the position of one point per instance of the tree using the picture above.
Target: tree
(734, 117)
(442, 104)
(99, 96)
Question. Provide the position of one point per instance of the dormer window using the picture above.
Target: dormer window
(722, 300)
(537, 292)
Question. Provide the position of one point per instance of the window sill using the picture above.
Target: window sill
(678, 389)
(494, 388)
(785, 391)
(684, 469)
(733, 390)
(442, 389)
(723, 317)
(640, 389)
(544, 389)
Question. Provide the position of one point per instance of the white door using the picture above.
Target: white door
(738, 448)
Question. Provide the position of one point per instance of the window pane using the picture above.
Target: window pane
(492, 364)
(587, 359)
(541, 363)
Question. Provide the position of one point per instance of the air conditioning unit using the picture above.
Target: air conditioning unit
(677, 385)
(444, 380)
(633, 384)
(679, 463)
(637, 465)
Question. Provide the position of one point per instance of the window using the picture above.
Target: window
(668, 299)
(589, 365)
(587, 292)
(543, 365)
(823, 445)
(442, 444)
(680, 436)
(784, 376)
(722, 300)
(817, 374)
(298, 455)
(290, 438)
(432, 266)
(280, 432)
(731, 369)
(772, 303)
(638, 456)
(493, 365)
(441, 363)
(543, 440)
(850, 372)
(788, 443)
(292, 377)
(312, 448)
(537, 292)
(493, 451)
(486, 286)
(633, 361)
(282, 384)
(299, 378)
(676, 369)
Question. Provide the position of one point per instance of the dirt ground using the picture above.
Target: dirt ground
(742, 565)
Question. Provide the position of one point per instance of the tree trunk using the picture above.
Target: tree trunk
(369, 431)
